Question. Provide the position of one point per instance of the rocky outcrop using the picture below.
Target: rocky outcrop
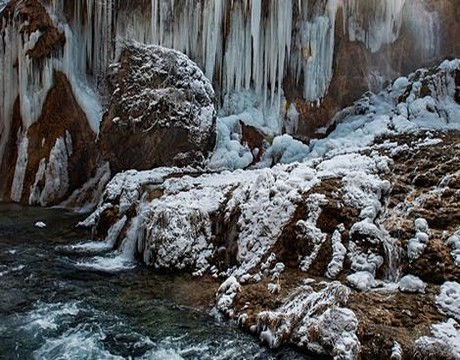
(426, 32)
(337, 254)
(62, 152)
(161, 111)
(47, 148)
(56, 155)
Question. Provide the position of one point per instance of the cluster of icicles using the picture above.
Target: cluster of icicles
(240, 44)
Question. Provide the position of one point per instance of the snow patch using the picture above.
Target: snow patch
(412, 284)
(448, 300)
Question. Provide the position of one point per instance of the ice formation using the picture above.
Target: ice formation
(187, 218)
(412, 284)
(374, 22)
(52, 178)
(240, 45)
(444, 342)
(30, 81)
(454, 242)
(317, 320)
(448, 301)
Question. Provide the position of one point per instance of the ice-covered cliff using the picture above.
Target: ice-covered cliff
(251, 44)
(295, 63)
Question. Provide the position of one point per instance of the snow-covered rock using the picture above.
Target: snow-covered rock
(161, 111)
(412, 284)
(314, 320)
(443, 344)
(448, 300)
(361, 280)
(347, 212)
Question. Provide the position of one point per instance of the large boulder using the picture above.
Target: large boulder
(161, 110)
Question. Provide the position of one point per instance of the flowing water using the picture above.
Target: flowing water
(53, 305)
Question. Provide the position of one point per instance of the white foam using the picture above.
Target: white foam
(47, 316)
(107, 264)
(90, 246)
(75, 344)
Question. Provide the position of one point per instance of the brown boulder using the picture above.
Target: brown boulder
(161, 111)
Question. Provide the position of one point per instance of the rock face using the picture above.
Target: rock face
(352, 253)
(425, 31)
(323, 58)
(62, 148)
(161, 111)
(47, 148)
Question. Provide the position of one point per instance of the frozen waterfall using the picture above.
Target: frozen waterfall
(240, 44)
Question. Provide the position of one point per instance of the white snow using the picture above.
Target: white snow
(338, 256)
(416, 246)
(361, 280)
(448, 300)
(40, 224)
(445, 342)
(226, 294)
(317, 320)
(412, 284)
(396, 352)
(454, 242)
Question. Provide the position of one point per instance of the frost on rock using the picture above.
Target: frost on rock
(412, 284)
(226, 295)
(309, 233)
(338, 256)
(416, 246)
(448, 301)
(361, 280)
(396, 352)
(444, 344)
(314, 320)
(161, 112)
(393, 111)
(454, 243)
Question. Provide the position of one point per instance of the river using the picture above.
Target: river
(58, 301)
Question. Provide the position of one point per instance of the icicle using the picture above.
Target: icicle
(20, 169)
(315, 49)
(374, 22)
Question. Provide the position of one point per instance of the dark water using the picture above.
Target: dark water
(61, 298)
